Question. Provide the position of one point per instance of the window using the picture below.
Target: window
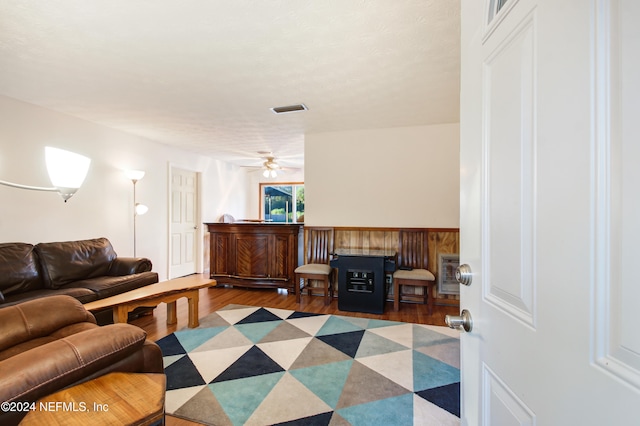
(282, 203)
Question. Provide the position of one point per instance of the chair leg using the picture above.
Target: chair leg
(396, 295)
(331, 284)
(297, 288)
(429, 290)
(325, 284)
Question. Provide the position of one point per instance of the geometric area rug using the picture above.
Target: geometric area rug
(247, 365)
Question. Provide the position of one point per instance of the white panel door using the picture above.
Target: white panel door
(184, 223)
(550, 208)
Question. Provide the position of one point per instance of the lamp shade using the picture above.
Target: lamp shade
(67, 170)
(134, 175)
(141, 209)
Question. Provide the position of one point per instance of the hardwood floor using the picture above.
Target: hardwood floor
(215, 298)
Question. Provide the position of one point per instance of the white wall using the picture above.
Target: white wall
(103, 206)
(393, 177)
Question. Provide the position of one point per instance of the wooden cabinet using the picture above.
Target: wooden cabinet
(254, 254)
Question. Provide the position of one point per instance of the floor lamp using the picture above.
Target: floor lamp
(138, 209)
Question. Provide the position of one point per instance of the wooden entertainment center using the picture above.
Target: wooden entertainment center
(249, 254)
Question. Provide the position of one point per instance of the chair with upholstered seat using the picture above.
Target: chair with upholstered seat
(412, 267)
(318, 250)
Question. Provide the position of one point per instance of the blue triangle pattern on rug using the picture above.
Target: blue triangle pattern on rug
(183, 374)
(253, 363)
(255, 331)
(347, 343)
(261, 315)
(447, 397)
(311, 369)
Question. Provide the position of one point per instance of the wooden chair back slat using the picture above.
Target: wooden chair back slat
(412, 249)
(319, 246)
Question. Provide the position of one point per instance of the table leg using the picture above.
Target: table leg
(171, 313)
(193, 298)
(120, 314)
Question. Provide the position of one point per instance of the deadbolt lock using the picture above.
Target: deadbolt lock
(463, 274)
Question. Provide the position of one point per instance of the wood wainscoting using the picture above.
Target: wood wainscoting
(440, 241)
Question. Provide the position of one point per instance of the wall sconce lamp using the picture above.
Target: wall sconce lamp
(67, 171)
(138, 209)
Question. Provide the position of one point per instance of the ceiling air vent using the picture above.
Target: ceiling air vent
(290, 108)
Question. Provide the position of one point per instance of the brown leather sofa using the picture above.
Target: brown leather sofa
(87, 270)
(51, 343)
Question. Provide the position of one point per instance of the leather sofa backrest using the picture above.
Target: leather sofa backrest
(65, 262)
(19, 269)
(41, 317)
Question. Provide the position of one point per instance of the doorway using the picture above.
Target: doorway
(184, 229)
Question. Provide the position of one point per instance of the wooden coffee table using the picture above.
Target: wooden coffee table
(151, 295)
(112, 399)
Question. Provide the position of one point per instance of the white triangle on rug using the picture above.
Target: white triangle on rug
(402, 334)
(280, 313)
(426, 413)
(310, 325)
(168, 360)
(285, 352)
(228, 338)
(395, 366)
(211, 363)
(176, 398)
(232, 316)
(288, 400)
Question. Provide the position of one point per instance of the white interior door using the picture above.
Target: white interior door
(550, 171)
(184, 223)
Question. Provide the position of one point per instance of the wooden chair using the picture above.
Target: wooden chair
(318, 250)
(412, 267)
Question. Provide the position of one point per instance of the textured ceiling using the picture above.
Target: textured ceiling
(203, 74)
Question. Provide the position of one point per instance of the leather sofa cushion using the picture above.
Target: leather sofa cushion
(19, 269)
(65, 262)
(110, 286)
(84, 295)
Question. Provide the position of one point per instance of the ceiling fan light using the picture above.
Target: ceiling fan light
(266, 173)
(273, 173)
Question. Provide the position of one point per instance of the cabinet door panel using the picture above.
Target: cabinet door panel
(280, 257)
(251, 256)
(220, 243)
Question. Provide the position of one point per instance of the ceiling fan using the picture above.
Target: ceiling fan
(271, 166)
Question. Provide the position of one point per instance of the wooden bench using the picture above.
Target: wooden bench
(151, 295)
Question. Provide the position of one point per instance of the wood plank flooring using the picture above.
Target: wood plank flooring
(215, 298)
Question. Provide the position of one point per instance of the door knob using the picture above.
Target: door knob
(463, 321)
(463, 274)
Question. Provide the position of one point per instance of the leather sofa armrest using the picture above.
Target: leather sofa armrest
(48, 368)
(129, 265)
